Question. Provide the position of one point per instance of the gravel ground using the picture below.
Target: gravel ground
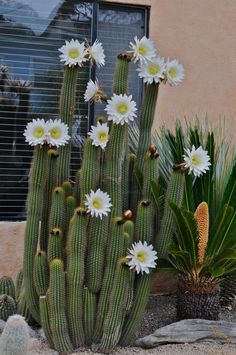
(160, 312)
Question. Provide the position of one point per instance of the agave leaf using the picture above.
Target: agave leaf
(229, 197)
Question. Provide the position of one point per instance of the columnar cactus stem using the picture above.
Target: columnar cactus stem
(174, 194)
(96, 252)
(57, 299)
(45, 318)
(55, 244)
(120, 80)
(144, 222)
(47, 198)
(34, 210)
(77, 187)
(57, 213)
(115, 250)
(145, 122)
(76, 247)
(89, 315)
(7, 286)
(66, 112)
(89, 173)
(117, 308)
(41, 273)
(141, 293)
(151, 172)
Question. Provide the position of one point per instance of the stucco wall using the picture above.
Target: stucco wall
(201, 34)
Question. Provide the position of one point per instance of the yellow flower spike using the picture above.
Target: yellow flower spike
(202, 218)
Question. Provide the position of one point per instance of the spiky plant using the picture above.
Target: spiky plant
(203, 251)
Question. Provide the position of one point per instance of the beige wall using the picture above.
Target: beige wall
(202, 35)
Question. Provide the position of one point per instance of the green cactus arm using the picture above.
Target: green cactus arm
(151, 172)
(115, 317)
(129, 228)
(41, 273)
(55, 245)
(141, 293)
(70, 205)
(34, 210)
(47, 198)
(144, 222)
(57, 306)
(114, 252)
(7, 286)
(66, 113)
(174, 193)
(57, 213)
(120, 79)
(89, 314)
(45, 318)
(67, 187)
(89, 172)
(77, 187)
(76, 248)
(146, 121)
(98, 234)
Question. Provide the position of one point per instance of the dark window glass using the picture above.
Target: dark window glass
(31, 32)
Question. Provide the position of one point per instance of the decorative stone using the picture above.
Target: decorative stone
(191, 331)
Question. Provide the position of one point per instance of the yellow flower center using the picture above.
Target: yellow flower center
(142, 50)
(102, 136)
(195, 159)
(38, 132)
(122, 108)
(55, 133)
(153, 69)
(142, 257)
(172, 72)
(97, 203)
(73, 53)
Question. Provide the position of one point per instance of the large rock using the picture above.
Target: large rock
(190, 331)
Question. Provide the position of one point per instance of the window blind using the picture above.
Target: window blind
(31, 75)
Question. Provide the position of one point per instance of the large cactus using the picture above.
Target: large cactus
(79, 284)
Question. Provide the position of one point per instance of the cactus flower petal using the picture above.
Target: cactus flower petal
(121, 109)
(36, 132)
(96, 54)
(57, 133)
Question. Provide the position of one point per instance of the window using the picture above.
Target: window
(31, 32)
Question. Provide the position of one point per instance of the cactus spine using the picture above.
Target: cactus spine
(45, 318)
(15, 337)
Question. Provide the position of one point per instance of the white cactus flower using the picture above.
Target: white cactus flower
(96, 54)
(98, 203)
(174, 72)
(99, 135)
(73, 53)
(36, 132)
(143, 49)
(197, 161)
(93, 92)
(152, 71)
(57, 133)
(142, 257)
(121, 109)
